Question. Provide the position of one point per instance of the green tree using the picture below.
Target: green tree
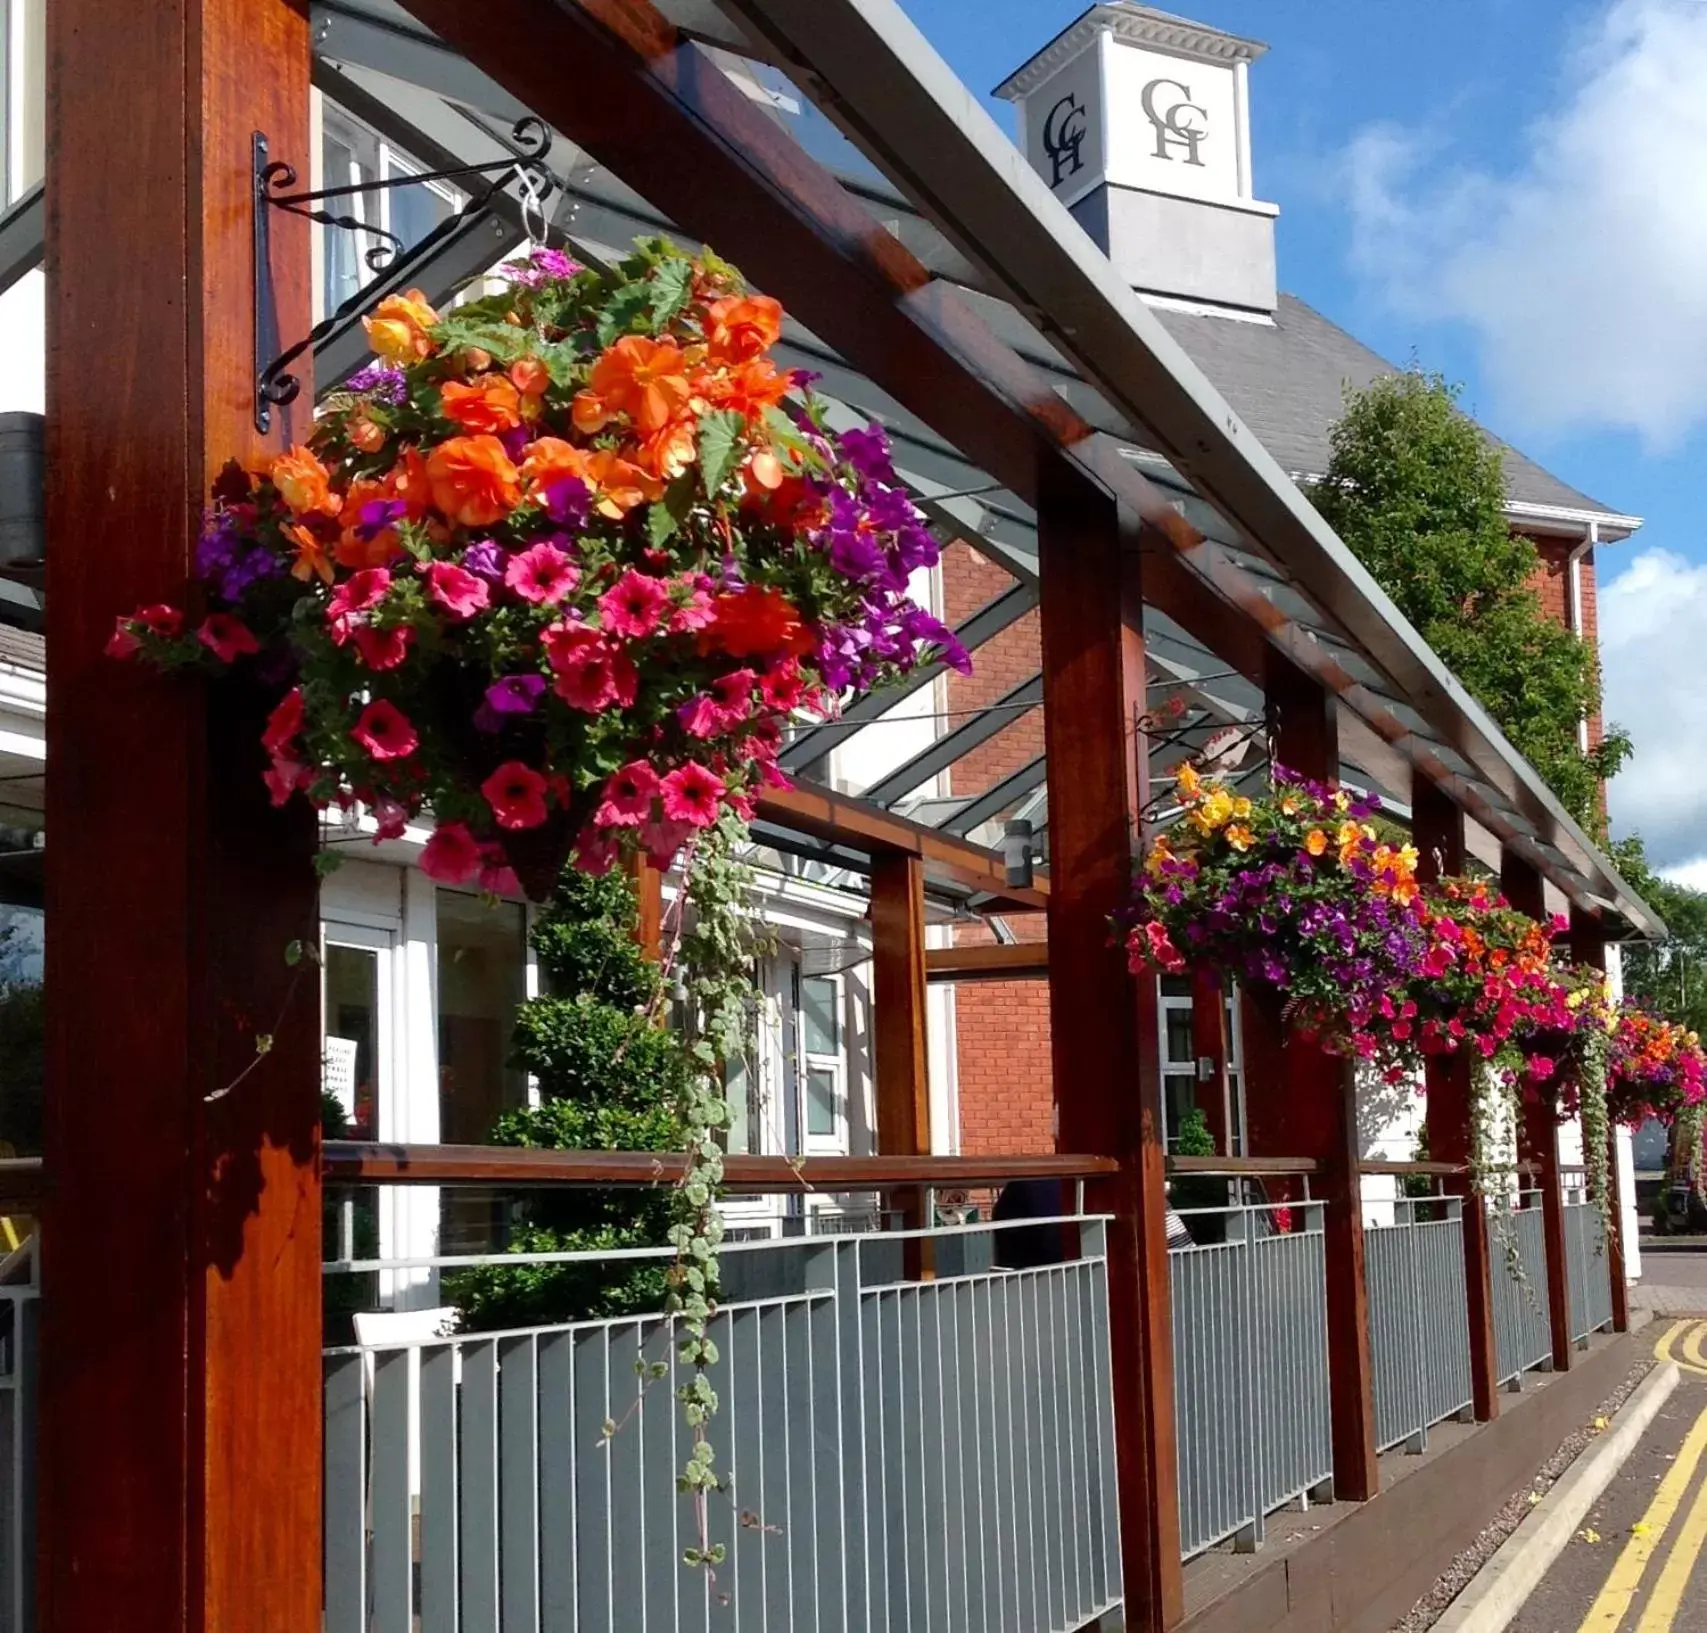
(611, 1076)
(1417, 492)
(1670, 976)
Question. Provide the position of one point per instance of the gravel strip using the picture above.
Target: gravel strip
(1428, 1609)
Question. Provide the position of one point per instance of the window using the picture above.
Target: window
(482, 979)
(356, 1030)
(354, 156)
(1179, 1062)
(822, 1068)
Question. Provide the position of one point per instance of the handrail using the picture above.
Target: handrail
(1444, 1170)
(362, 1162)
(1233, 1166)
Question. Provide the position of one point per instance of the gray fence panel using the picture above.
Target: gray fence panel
(1519, 1278)
(1418, 1321)
(438, 1489)
(344, 1500)
(1589, 1268)
(18, 1374)
(388, 1496)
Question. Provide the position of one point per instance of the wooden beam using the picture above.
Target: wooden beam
(1588, 946)
(1538, 1135)
(843, 820)
(1021, 961)
(180, 1451)
(1437, 828)
(366, 1162)
(898, 1006)
(1103, 1025)
(1321, 1117)
(649, 906)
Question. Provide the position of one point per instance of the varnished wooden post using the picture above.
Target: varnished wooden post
(1321, 1118)
(900, 1056)
(649, 906)
(180, 1450)
(1538, 1136)
(1437, 826)
(1209, 1043)
(1588, 946)
(1105, 1051)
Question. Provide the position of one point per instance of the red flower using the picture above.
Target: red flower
(516, 793)
(358, 593)
(592, 675)
(692, 795)
(628, 797)
(382, 648)
(162, 622)
(781, 688)
(452, 856)
(227, 637)
(385, 732)
(753, 621)
(283, 777)
(283, 723)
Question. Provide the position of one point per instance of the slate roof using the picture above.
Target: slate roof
(1287, 382)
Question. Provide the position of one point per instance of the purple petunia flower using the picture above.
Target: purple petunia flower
(568, 501)
(515, 694)
(486, 558)
(377, 515)
(384, 382)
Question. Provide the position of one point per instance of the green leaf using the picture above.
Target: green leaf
(719, 447)
(672, 283)
(627, 308)
(660, 524)
(327, 863)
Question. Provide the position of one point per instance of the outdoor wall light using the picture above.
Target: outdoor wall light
(1016, 853)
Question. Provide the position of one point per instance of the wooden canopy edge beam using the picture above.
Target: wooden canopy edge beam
(357, 1162)
(1235, 1167)
(874, 74)
(844, 820)
(1023, 960)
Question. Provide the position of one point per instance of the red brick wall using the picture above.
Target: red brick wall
(1002, 1027)
(1552, 584)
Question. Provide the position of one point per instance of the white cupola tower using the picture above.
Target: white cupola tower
(1140, 123)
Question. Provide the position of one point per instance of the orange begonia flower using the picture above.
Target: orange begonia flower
(304, 483)
(530, 376)
(473, 481)
(667, 453)
(487, 403)
(407, 480)
(750, 389)
(747, 623)
(619, 485)
(739, 327)
(645, 379)
(311, 557)
(551, 459)
(352, 549)
(364, 434)
(399, 330)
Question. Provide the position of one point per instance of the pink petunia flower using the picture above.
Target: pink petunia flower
(283, 723)
(516, 793)
(227, 637)
(283, 777)
(593, 675)
(692, 795)
(392, 818)
(596, 851)
(121, 643)
(385, 731)
(781, 688)
(628, 797)
(452, 855)
(496, 875)
(461, 593)
(382, 649)
(696, 613)
(635, 605)
(542, 574)
(159, 620)
(359, 593)
(662, 840)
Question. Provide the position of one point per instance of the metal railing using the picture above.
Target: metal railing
(20, 1309)
(1588, 1266)
(1419, 1332)
(1250, 1369)
(900, 1454)
(1518, 1274)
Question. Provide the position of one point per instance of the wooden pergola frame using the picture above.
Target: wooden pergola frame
(180, 1432)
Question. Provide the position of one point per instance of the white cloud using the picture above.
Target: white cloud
(1583, 269)
(1653, 653)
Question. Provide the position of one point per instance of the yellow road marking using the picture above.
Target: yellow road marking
(1662, 1350)
(1663, 1603)
(1694, 1357)
(1607, 1612)
(1692, 1345)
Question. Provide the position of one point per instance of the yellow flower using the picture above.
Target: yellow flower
(1241, 807)
(1290, 805)
(1187, 779)
(1349, 835)
(1342, 800)
(1215, 808)
(1315, 841)
(1239, 838)
(1408, 857)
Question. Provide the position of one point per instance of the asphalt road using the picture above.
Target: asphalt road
(1639, 1562)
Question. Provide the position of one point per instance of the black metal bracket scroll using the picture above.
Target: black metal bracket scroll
(525, 169)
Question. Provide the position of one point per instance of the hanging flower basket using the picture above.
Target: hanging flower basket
(557, 569)
(1655, 1069)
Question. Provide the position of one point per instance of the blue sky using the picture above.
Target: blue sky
(1514, 192)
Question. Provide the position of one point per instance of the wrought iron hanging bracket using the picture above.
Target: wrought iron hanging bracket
(524, 168)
